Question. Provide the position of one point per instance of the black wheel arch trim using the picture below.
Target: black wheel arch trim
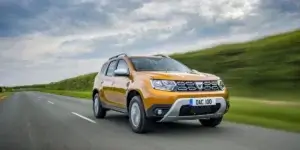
(127, 94)
(95, 90)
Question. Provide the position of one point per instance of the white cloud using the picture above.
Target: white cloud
(48, 71)
(38, 46)
(75, 37)
(220, 9)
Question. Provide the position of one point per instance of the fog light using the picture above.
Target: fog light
(159, 111)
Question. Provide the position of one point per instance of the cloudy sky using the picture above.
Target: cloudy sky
(48, 40)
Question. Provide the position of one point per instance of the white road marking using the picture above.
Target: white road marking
(88, 119)
(29, 133)
(50, 102)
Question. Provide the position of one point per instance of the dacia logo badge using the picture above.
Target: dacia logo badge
(199, 85)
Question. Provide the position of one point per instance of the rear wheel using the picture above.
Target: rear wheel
(137, 117)
(99, 111)
(212, 122)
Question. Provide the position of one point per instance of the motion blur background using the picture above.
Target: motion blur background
(253, 45)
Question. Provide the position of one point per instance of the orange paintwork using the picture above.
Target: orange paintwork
(115, 93)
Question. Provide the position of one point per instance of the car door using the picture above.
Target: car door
(120, 85)
(107, 84)
(101, 82)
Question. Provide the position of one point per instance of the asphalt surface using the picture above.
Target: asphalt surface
(40, 121)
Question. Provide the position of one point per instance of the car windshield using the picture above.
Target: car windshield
(158, 64)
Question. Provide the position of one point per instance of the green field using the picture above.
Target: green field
(278, 115)
(263, 77)
(4, 95)
(77, 94)
(265, 68)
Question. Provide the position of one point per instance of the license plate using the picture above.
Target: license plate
(202, 101)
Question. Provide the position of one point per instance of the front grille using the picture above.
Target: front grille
(187, 110)
(210, 85)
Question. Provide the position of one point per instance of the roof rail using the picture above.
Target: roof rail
(117, 56)
(162, 55)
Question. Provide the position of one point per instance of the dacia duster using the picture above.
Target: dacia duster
(157, 88)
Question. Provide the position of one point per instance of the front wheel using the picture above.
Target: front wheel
(212, 122)
(137, 116)
(99, 111)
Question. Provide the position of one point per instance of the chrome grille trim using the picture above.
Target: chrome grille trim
(207, 85)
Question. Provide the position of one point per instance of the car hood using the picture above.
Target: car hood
(178, 75)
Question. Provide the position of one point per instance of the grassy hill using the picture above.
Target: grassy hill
(268, 67)
(81, 83)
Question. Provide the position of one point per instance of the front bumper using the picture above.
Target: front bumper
(181, 110)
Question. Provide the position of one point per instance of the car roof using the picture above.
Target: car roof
(144, 57)
(134, 56)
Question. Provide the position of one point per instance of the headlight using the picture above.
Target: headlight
(221, 84)
(165, 85)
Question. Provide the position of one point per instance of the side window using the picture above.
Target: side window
(103, 69)
(122, 64)
(111, 68)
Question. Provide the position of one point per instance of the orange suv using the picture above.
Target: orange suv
(158, 89)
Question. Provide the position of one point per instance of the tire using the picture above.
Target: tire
(144, 124)
(212, 122)
(99, 111)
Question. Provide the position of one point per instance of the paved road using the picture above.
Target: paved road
(39, 121)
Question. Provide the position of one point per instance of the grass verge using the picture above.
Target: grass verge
(4, 95)
(283, 115)
(77, 94)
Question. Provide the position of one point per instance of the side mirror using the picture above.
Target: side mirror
(121, 72)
